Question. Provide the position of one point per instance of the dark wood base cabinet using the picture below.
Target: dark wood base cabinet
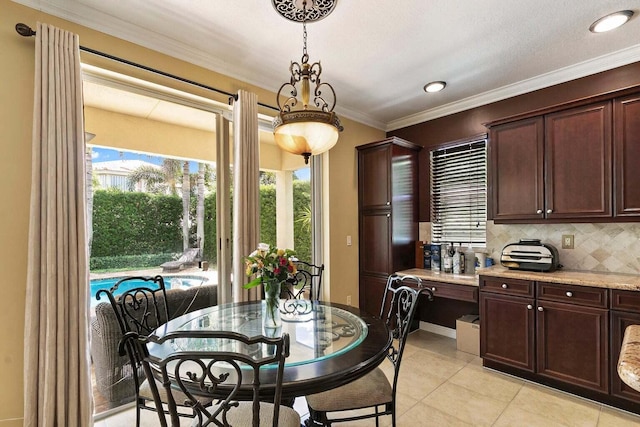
(572, 344)
(371, 299)
(625, 311)
(563, 336)
(507, 330)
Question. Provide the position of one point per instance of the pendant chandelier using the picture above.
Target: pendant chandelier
(299, 127)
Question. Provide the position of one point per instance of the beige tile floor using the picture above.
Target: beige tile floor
(440, 386)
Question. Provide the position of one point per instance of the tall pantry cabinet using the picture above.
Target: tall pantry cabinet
(388, 214)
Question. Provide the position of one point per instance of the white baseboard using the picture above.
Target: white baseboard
(437, 329)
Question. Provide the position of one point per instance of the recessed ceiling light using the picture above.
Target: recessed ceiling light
(434, 87)
(611, 21)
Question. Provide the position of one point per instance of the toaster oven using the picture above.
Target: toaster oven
(530, 254)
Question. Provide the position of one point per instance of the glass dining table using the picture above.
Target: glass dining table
(330, 344)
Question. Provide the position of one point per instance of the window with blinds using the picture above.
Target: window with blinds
(459, 194)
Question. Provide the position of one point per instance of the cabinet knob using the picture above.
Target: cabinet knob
(504, 286)
(433, 289)
(388, 203)
(539, 211)
(529, 307)
(549, 210)
(388, 215)
(569, 294)
(540, 309)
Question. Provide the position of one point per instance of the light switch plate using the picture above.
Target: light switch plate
(567, 241)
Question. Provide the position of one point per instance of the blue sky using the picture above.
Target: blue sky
(107, 155)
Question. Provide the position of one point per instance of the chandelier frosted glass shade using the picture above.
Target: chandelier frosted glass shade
(306, 124)
(306, 132)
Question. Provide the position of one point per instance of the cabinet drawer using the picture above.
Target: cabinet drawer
(453, 291)
(507, 286)
(625, 300)
(581, 295)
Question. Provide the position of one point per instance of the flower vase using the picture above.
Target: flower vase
(271, 308)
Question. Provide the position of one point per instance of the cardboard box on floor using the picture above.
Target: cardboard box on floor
(468, 334)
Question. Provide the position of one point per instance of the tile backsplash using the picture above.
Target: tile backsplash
(610, 247)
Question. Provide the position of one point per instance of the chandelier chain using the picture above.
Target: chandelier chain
(304, 29)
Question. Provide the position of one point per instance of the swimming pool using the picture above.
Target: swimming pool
(170, 282)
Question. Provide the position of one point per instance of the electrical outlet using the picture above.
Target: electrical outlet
(567, 241)
(348, 299)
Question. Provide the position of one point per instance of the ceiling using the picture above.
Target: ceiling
(378, 54)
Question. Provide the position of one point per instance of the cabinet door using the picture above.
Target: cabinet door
(516, 166)
(572, 344)
(626, 141)
(375, 243)
(373, 176)
(578, 162)
(404, 204)
(371, 293)
(507, 330)
(619, 322)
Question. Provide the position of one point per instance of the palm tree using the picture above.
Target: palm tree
(164, 179)
(158, 180)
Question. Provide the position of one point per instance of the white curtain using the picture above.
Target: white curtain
(57, 379)
(246, 190)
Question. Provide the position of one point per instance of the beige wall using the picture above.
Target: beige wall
(16, 87)
(343, 210)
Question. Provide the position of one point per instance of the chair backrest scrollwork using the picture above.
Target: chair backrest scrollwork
(139, 308)
(306, 281)
(228, 367)
(398, 309)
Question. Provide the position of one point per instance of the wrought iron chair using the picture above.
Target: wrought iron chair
(374, 390)
(307, 282)
(228, 367)
(140, 309)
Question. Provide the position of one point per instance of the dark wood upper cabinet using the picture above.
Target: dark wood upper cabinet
(578, 162)
(516, 170)
(559, 166)
(626, 142)
(375, 162)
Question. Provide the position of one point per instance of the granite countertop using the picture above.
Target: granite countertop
(437, 276)
(629, 361)
(630, 282)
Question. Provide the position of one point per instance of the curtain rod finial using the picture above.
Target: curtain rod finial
(24, 30)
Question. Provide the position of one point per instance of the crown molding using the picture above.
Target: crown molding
(562, 75)
(90, 18)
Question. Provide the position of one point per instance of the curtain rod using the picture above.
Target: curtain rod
(26, 31)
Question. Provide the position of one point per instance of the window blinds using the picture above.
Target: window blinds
(459, 194)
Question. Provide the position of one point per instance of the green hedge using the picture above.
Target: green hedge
(128, 223)
(210, 233)
(131, 223)
(129, 261)
(302, 235)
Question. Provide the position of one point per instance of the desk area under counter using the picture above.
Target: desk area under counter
(563, 329)
(456, 295)
(462, 287)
